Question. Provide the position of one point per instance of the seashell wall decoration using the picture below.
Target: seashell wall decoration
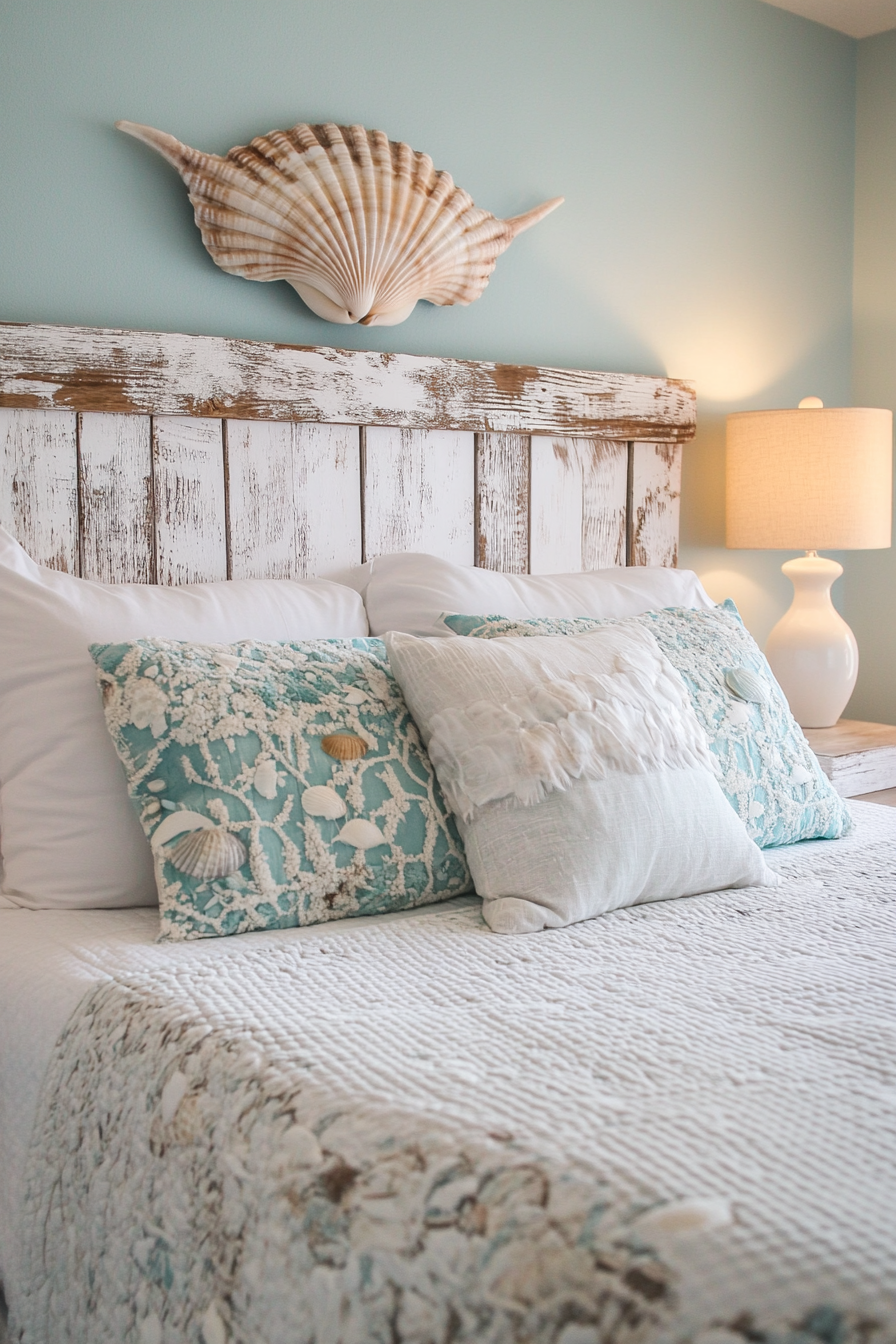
(361, 226)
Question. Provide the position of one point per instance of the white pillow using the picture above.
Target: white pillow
(579, 774)
(70, 838)
(410, 592)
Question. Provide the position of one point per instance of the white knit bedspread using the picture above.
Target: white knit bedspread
(672, 1120)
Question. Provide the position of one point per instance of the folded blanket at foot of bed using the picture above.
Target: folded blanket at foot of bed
(202, 1187)
(669, 1121)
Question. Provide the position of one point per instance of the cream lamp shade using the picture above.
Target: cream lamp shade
(811, 479)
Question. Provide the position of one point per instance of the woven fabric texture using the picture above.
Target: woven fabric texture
(278, 784)
(767, 769)
(670, 1123)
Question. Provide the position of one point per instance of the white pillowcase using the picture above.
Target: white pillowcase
(70, 838)
(580, 776)
(410, 592)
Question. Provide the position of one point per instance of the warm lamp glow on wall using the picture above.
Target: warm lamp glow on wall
(811, 479)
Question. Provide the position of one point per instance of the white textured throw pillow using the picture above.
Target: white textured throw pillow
(580, 776)
(410, 592)
(69, 835)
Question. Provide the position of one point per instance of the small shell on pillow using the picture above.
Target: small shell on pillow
(178, 822)
(321, 801)
(361, 226)
(344, 746)
(746, 685)
(361, 834)
(209, 853)
(265, 778)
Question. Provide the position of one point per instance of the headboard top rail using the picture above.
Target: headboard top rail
(45, 367)
(166, 458)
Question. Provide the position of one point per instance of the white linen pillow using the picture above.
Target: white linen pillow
(70, 838)
(410, 592)
(579, 774)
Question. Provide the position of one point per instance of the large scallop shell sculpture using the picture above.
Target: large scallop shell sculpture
(361, 226)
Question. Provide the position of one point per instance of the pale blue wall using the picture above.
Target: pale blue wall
(870, 580)
(705, 148)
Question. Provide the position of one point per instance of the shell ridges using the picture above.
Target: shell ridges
(362, 227)
(344, 746)
(175, 823)
(361, 834)
(321, 801)
(209, 853)
(746, 685)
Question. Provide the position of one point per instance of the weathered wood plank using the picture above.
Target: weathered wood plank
(555, 524)
(294, 499)
(160, 373)
(883, 797)
(39, 484)
(578, 504)
(604, 505)
(328, 482)
(418, 493)
(502, 502)
(656, 491)
(188, 490)
(261, 497)
(115, 487)
(857, 757)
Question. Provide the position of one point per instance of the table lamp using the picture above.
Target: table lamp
(811, 479)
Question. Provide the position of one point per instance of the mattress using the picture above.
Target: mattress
(724, 1066)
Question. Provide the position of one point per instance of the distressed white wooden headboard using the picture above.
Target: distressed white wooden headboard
(148, 457)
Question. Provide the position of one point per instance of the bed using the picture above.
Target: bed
(674, 1122)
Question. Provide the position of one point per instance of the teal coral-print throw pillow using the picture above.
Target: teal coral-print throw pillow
(766, 767)
(278, 784)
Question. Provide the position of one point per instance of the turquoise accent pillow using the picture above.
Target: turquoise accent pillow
(278, 784)
(766, 767)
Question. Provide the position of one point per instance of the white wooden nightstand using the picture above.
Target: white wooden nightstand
(858, 758)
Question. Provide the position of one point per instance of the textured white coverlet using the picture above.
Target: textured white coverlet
(733, 1050)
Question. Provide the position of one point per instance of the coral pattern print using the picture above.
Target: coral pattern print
(279, 784)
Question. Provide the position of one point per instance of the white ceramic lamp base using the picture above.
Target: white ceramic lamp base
(812, 650)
